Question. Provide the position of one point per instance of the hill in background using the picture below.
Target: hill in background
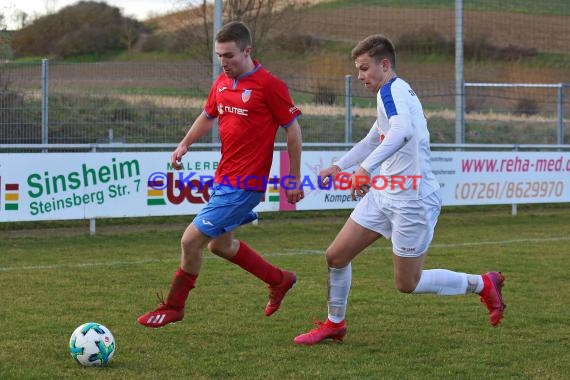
(316, 40)
(150, 89)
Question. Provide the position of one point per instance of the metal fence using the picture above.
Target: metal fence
(516, 71)
(154, 102)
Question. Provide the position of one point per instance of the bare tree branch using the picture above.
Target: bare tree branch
(264, 18)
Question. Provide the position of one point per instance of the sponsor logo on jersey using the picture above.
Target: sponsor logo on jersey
(222, 109)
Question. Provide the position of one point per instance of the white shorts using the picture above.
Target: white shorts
(409, 223)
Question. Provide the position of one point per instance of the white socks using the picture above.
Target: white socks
(340, 280)
(445, 282)
(441, 281)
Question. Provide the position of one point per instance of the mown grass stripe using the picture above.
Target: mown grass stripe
(295, 252)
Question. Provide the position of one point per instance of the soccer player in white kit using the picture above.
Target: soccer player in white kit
(403, 205)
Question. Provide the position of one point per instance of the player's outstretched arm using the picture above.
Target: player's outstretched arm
(294, 147)
(361, 149)
(199, 128)
(400, 133)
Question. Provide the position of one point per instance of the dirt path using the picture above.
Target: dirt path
(548, 33)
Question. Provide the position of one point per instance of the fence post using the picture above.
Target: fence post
(514, 206)
(459, 80)
(93, 221)
(216, 69)
(45, 109)
(560, 109)
(348, 106)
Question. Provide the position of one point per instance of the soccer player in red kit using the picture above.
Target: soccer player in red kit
(250, 104)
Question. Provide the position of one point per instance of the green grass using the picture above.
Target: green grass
(30, 60)
(553, 7)
(550, 60)
(84, 119)
(52, 280)
(157, 56)
(162, 91)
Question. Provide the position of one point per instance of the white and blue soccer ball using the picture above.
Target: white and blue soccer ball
(92, 344)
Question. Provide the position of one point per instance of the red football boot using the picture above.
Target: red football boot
(492, 297)
(326, 330)
(161, 316)
(277, 292)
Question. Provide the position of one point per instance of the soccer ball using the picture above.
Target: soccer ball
(92, 344)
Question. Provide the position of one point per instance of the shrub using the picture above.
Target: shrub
(425, 41)
(527, 107)
(296, 43)
(5, 49)
(18, 125)
(479, 48)
(325, 95)
(85, 28)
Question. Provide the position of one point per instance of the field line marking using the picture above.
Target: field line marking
(290, 252)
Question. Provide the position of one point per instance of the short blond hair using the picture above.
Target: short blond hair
(376, 46)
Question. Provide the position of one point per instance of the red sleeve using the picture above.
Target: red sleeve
(211, 107)
(280, 101)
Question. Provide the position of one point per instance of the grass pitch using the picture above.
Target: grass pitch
(53, 280)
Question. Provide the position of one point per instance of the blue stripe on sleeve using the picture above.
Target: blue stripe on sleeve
(388, 100)
(291, 122)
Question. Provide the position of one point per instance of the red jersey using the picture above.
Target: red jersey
(250, 109)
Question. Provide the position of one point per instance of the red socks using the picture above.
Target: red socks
(252, 262)
(333, 324)
(182, 283)
(246, 258)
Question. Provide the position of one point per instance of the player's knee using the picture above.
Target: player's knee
(189, 248)
(223, 248)
(215, 248)
(335, 261)
(185, 243)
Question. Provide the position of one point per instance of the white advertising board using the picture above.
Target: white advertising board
(318, 197)
(479, 178)
(52, 186)
(466, 178)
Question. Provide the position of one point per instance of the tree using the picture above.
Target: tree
(20, 18)
(260, 15)
(193, 29)
(87, 27)
(5, 50)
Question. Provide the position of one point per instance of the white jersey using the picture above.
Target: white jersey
(398, 142)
